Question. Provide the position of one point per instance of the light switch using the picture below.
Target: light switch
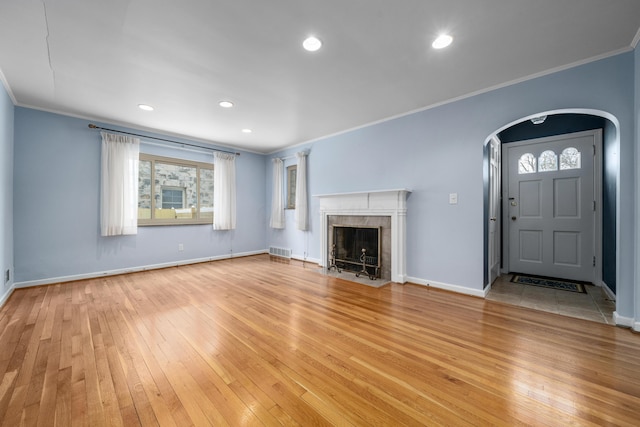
(453, 198)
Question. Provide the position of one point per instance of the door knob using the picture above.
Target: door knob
(513, 218)
(493, 219)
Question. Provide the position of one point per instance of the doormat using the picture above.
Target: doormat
(563, 285)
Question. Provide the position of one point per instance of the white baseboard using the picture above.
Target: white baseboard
(625, 321)
(51, 280)
(6, 295)
(303, 259)
(448, 287)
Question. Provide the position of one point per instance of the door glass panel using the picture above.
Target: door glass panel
(548, 161)
(570, 159)
(527, 164)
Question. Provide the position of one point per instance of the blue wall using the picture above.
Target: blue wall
(6, 190)
(57, 182)
(440, 151)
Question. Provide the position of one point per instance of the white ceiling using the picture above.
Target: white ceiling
(100, 59)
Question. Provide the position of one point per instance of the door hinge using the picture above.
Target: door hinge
(594, 261)
(594, 150)
(594, 205)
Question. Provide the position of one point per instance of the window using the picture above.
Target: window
(527, 164)
(570, 159)
(548, 161)
(173, 198)
(292, 172)
(174, 191)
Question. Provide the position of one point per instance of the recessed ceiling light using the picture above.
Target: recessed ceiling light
(245, 130)
(145, 107)
(226, 104)
(442, 41)
(312, 44)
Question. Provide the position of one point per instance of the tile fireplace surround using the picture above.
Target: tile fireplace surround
(389, 203)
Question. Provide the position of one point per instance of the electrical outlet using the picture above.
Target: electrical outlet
(180, 247)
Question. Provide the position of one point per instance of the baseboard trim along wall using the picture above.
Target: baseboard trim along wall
(6, 295)
(303, 259)
(625, 321)
(52, 280)
(482, 293)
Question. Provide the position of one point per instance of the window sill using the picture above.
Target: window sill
(152, 223)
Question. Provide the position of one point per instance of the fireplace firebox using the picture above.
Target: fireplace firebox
(357, 249)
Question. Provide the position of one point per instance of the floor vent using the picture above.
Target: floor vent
(281, 252)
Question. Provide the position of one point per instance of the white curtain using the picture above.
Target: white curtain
(277, 199)
(302, 210)
(119, 185)
(224, 191)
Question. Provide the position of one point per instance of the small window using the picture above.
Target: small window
(527, 164)
(174, 191)
(292, 172)
(570, 159)
(172, 198)
(548, 161)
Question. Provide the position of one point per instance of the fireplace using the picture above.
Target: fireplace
(385, 210)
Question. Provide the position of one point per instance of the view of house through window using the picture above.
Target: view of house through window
(292, 172)
(174, 191)
(570, 158)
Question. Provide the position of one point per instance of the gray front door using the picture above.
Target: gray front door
(551, 206)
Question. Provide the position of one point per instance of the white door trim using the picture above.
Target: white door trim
(496, 222)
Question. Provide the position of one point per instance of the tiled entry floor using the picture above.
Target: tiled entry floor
(594, 305)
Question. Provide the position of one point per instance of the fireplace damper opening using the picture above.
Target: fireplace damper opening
(357, 249)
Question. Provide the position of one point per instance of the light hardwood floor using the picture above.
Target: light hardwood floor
(251, 341)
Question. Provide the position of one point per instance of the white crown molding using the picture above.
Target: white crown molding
(7, 88)
(469, 95)
(213, 145)
(636, 39)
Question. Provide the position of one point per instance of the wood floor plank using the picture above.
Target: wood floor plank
(252, 341)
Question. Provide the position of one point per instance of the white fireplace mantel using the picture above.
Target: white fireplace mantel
(391, 203)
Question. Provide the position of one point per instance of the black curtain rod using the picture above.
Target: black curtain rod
(92, 126)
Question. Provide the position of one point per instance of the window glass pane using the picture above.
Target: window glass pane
(172, 198)
(527, 164)
(292, 172)
(144, 189)
(175, 191)
(548, 161)
(206, 193)
(570, 159)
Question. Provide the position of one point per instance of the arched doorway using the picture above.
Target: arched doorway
(556, 122)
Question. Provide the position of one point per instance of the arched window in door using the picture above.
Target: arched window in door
(527, 164)
(548, 161)
(570, 159)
